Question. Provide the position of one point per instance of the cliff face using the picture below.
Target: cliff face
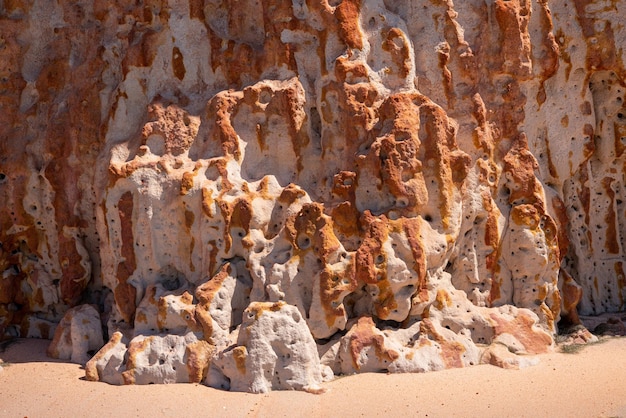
(261, 194)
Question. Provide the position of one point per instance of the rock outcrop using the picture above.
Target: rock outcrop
(260, 194)
(78, 334)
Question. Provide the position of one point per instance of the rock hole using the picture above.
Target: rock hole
(316, 127)
(402, 202)
(265, 97)
(304, 242)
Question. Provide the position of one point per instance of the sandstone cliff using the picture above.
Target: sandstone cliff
(261, 194)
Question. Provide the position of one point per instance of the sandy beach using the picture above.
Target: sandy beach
(588, 383)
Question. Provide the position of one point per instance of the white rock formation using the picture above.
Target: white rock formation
(407, 183)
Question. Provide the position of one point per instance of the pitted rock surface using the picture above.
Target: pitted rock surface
(258, 195)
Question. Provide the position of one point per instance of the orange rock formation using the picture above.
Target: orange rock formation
(261, 194)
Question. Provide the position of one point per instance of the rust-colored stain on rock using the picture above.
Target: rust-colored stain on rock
(371, 176)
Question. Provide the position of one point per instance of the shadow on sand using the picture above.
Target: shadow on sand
(26, 350)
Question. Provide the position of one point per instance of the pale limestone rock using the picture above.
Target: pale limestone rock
(365, 349)
(421, 347)
(164, 309)
(108, 364)
(35, 327)
(166, 359)
(222, 301)
(499, 355)
(417, 179)
(275, 350)
(510, 342)
(329, 355)
(151, 359)
(78, 334)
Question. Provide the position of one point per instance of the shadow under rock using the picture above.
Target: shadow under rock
(26, 350)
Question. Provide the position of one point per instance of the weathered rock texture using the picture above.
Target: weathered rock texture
(259, 194)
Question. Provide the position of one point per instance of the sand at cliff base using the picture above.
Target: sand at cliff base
(589, 383)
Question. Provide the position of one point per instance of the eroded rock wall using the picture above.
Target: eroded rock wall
(262, 194)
